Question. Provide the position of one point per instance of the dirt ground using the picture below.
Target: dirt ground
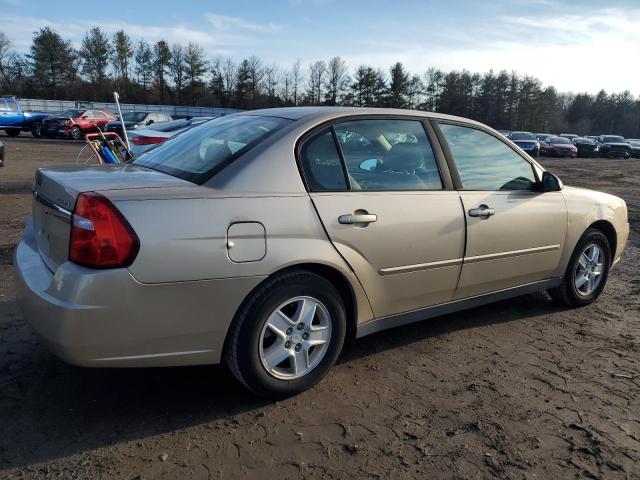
(520, 389)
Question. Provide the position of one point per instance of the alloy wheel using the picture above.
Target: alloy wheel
(589, 269)
(295, 338)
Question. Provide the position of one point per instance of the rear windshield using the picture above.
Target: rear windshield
(559, 140)
(522, 136)
(203, 151)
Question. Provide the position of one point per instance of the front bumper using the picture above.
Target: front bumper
(105, 318)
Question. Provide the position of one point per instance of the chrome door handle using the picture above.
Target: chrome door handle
(482, 211)
(355, 218)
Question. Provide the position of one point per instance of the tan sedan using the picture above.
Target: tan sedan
(264, 239)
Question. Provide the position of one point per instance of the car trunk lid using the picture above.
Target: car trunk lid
(55, 191)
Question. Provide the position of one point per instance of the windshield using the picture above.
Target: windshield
(134, 116)
(612, 139)
(586, 141)
(203, 151)
(559, 140)
(634, 143)
(522, 136)
(71, 113)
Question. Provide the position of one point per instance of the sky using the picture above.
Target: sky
(576, 46)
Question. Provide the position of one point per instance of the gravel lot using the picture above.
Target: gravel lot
(520, 389)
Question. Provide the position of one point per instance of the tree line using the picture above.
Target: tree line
(178, 74)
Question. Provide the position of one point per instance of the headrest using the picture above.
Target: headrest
(404, 156)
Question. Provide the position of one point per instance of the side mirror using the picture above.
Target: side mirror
(149, 122)
(84, 117)
(369, 164)
(550, 183)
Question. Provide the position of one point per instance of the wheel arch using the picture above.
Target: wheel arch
(329, 273)
(609, 231)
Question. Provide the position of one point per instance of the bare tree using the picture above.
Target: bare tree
(256, 74)
(296, 80)
(337, 80)
(271, 80)
(177, 67)
(317, 72)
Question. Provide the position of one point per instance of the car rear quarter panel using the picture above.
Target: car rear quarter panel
(186, 239)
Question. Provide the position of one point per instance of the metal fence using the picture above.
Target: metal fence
(57, 106)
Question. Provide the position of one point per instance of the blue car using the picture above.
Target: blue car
(527, 141)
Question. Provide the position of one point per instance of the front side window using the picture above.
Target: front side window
(11, 106)
(321, 163)
(388, 154)
(201, 152)
(486, 163)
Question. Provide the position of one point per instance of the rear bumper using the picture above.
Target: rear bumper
(105, 318)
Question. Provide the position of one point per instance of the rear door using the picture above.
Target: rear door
(387, 203)
(514, 232)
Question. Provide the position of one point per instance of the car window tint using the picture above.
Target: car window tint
(388, 154)
(321, 163)
(486, 163)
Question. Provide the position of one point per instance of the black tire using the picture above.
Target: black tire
(242, 349)
(75, 133)
(36, 129)
(12, 132)
(567, 293)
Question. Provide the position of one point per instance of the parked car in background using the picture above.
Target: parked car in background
(76, 122)
(570, 136)
(527, 141)
(185, 256)
(504, 133)
(137, 120)
(586, 148)
(14, 120)
(1, 153)
(613, 146)
(558, 147)
(635, 147)
(543, 136)
(593, 137)
(147, 138)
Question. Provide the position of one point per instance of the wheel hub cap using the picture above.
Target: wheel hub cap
(589, 270)
(295, 338)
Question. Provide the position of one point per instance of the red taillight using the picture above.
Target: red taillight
(100, 235)
(147, 140)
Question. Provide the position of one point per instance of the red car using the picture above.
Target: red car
(75, 123)
(558, 147)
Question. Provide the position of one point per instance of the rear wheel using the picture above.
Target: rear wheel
(587, 272)
(36, 129)
(287, 335)
(12, 132)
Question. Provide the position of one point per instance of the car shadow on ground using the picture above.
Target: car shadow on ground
(53, 410)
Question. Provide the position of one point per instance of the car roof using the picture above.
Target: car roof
(328, 113)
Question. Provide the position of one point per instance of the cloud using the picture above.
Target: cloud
(225, 22)
(571, 51)
(227, 34)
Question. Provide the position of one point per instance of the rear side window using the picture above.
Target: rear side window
(201, 152)
(388, 154)
(486, 163)
(321, 163)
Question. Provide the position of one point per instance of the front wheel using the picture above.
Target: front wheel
(587, 271)
(12, 132)
(287, 335)
(75, 133)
